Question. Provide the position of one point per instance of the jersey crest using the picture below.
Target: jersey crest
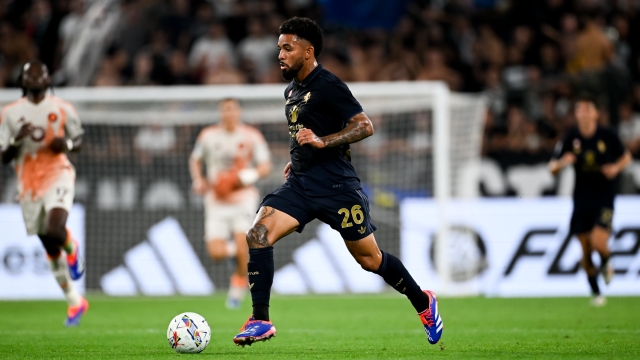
(293, 114)
(601, 146)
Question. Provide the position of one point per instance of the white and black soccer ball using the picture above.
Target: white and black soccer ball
(188, 333)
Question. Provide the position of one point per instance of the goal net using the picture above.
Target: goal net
(142, 220)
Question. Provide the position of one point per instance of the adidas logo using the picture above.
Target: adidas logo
(325, 266)
(166, 264)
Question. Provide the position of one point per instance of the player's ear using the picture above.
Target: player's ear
(309, 53)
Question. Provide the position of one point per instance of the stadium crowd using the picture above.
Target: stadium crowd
(528, 57)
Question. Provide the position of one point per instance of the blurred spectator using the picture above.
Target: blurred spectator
(436, 68)
(211, 50)
(160, 50)
(69, 26)
(142, 67)
(154, 140)
(494, 91)
(178, 72)
(15, 50)
(223, 73)
(112, 68)
(593, 48)
(260, 47)
(132, 29)
(629, 128)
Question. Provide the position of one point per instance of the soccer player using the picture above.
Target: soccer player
(598, 156)
(235, 156)
(324, 118)
(35, 133)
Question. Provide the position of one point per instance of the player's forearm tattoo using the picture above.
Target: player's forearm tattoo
(257, 237)
(355, 131)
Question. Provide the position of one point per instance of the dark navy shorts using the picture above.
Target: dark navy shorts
(584, 218)
(348, 213)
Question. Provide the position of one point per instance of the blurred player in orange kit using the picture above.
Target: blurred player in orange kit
(236, 156)
(36, 131)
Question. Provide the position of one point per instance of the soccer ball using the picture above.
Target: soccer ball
(188, 333)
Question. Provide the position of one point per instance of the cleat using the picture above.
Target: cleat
(431, 319)
(598, 301)
(75, 263)
(254, 331)
(75, 313)
(233, 304)
(607, 271)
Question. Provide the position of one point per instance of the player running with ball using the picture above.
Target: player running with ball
(324, 118)
(35, 133)
(235, 156)
(598, 156)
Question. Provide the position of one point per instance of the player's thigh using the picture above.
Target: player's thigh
(58, 201)
(217, 221)
(282, 212)
(243, 215)
(34, 216)
(600, 236)
(348, 213)
(583, 219)
(603, 223)
(366, 252)
(269, 226)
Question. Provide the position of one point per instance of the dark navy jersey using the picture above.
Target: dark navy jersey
(604, 147)
(324, 104)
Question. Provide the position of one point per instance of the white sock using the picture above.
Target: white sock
(236, 292)
(232, 249)
(60, 271)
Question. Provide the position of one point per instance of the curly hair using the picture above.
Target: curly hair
(304, 28)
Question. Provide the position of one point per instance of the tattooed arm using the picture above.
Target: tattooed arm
(358, 128)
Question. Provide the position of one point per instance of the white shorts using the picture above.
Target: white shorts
(222, 220)
(60, 195)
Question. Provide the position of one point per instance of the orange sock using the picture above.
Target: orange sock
(70, 248)
(239, 281)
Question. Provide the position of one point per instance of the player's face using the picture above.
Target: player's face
(229, 114)
(586, 113)
(292, 54)
(35, 77)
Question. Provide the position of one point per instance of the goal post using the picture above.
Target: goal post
(132, 171)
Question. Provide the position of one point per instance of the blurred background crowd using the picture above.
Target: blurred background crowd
(530, 58)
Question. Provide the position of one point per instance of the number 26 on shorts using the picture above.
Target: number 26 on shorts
(356, 214)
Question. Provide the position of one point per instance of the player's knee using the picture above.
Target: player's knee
(56, 234)
(217, 250)
(257, 237)
(368, 263)
(50, 246)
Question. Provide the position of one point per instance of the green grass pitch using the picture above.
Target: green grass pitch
(330, 327)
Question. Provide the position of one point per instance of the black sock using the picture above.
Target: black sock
(603, 260)
(593, 282)
(261, 271)
(395, 274)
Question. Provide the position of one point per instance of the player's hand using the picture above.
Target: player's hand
(24, 131)
(58, 145)
(199, 186)
(610, 171)
(287, 171)
(307, 137)
(568, 159)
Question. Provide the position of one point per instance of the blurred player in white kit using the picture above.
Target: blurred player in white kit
(36, 131)
(235, 156)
